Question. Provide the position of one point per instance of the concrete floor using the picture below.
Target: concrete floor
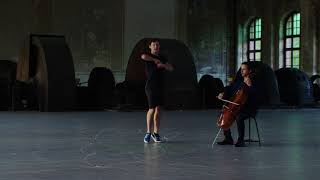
(109, 145)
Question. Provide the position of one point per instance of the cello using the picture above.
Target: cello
(231, 109)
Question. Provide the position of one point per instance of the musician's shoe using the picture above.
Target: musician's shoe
(226, 142)
(156, 137)
(147, 138)
(240, 144)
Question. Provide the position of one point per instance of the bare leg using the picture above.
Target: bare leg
(150, 114)
(156, 120)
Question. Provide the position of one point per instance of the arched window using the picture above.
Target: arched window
(292, 41)
(254, 40)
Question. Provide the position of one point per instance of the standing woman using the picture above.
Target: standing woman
(155, 65)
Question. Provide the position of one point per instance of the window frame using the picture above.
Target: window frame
(254, 39)
(292, 36)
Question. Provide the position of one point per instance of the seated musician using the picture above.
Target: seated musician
(249, 108)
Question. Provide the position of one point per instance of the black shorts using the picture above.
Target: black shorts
(154, 96)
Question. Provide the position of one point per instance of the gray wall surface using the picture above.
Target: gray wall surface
(148, 18)
(103, 33)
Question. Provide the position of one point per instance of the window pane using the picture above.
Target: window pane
(251, 28)
(296, 24)
(258, 22)
(288, 62)
(251, 45)
(258, 34)
(251, 35)
(251, 57)
(288, 55)
(258, 45)
(289, 26)
(296, 31)
(288, 43)
(296, 17)
(258, 56)
(296, 58)
(289, 23)
(258, 28)
(296, 42)
(289, 32)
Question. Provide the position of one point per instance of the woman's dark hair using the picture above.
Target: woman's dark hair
(248, 65)
(153, 40)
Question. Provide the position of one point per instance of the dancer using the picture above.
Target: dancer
(155, 65)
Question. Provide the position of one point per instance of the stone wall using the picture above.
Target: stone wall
(103, 33)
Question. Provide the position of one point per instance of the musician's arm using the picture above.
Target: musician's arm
(226, 93)
(229, 90)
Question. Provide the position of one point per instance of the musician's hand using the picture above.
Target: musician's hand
(220, 96)
(157, 61)
(160, 66)
(247, 80)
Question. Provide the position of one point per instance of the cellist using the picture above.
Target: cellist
(249, 107)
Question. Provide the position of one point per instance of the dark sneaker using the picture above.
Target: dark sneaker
(240, 144)
(226, 142)
(156, 137)
(147, 138)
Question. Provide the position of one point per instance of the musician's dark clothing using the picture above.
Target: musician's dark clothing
(248, 109)
(240, 125)
(251, 105)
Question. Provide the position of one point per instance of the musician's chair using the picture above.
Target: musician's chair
(253, 117)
